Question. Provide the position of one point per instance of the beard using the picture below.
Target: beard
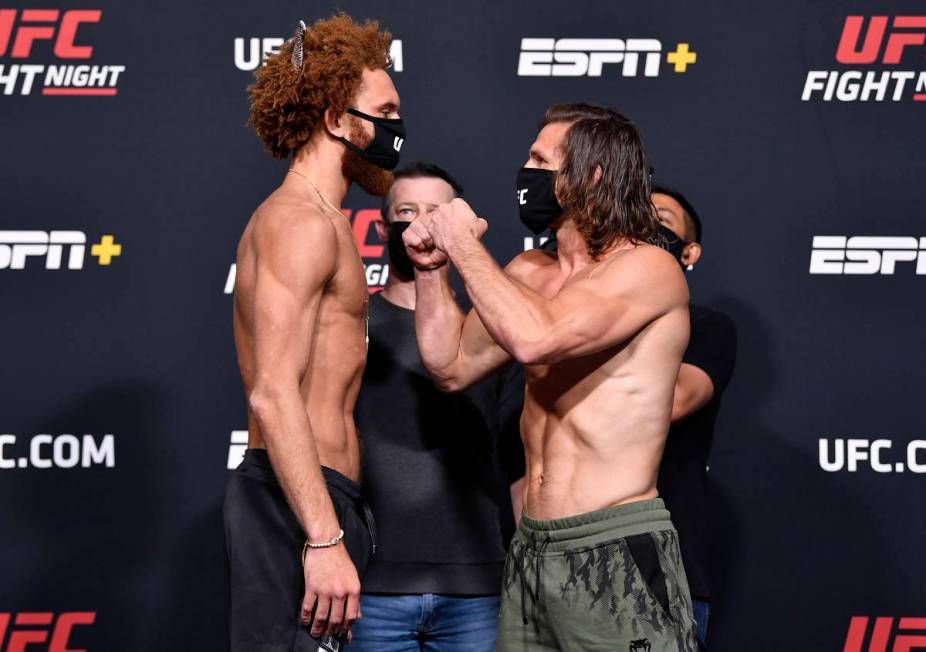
(371, 178)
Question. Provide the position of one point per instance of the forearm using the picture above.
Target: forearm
(290, 443)
(438, 324)
(513, 314)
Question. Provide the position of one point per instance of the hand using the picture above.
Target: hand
(332, 591)
(452, 222)
(420, 246)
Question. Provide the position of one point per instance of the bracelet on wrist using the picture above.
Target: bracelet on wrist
(327, 544)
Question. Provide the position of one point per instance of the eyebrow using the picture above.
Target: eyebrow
(388, 107)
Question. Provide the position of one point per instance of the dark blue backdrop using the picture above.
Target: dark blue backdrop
(129, 527)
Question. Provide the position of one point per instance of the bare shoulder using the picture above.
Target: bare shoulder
(646, 270)
(525, 265)
(293, 237)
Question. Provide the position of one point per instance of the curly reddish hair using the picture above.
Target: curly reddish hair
(288, 105)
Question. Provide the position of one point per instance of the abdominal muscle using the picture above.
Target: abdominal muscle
(593, 456)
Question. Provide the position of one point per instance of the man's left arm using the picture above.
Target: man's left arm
(693, 390)
(708, 362)
(586, 317)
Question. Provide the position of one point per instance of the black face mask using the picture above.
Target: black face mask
(537, 199)
(398, 256)
(671, 242)
(388, 138)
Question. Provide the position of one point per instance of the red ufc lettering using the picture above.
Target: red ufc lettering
(19, 639)
(848, 51)
(362, 221)
(40, 622)
(908, 642)
(881, 635)
(64, 46)
(27, 34)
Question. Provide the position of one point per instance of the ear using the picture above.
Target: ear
(382, 229)
(335, 124)
(691, 254)
(596, 177)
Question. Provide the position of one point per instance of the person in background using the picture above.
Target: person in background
(432, 465)
(705, 372)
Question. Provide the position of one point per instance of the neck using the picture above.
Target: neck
(572, 249)
(400, 292)
(320, 161)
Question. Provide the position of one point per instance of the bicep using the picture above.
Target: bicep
(603, 311)
(288, 289)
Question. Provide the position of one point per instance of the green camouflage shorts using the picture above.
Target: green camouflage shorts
(607, 580)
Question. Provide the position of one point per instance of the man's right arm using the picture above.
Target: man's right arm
(456, 350)
(295, 261)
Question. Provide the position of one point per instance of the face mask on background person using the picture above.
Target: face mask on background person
(671, 242)
(398, 255)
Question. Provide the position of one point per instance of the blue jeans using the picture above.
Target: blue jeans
(702, 610)
(436, 623)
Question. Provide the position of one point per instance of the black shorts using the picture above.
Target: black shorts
(264, 542)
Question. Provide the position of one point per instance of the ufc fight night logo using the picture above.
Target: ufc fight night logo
(849, 454)
(42, 631)
(57, 34)
(30, 249)
(252, 52)
(587, 57)
(885, 42)
(867, 255)
(61, 452)
(884, 637)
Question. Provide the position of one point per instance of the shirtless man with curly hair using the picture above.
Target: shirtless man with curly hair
(298, 533)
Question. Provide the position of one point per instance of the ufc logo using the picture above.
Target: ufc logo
(881, 635)
(578, 57)
(39, 628)
(397, 144)
(239, 444)
(16, 246)
(849, 51)
(521, 195)
(866, 255)
(40, 24)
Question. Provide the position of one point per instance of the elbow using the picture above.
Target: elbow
(449, 384)
(262, 400)
(530, 353)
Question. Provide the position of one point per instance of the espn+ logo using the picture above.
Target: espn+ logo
(18, 247)
(587, 57)
(876, 45)
(904, 640)
(33, 627)
(867, 255)
(846, 454)
(21, 32)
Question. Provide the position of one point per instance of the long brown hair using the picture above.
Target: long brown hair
(618, 205)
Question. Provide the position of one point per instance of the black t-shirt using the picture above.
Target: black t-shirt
(683, 473)
(431, 466)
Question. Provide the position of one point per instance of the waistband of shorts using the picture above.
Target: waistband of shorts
(599, 526)
(257, 463)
